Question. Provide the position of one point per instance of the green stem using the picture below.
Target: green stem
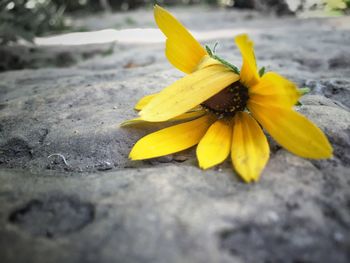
(224, 62)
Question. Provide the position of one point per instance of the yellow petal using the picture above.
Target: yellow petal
(188, 92)
(207, 61)
(134, 121)
(273, 89)
(250, 150)
(215, 145)
(249, 72)
(144, 101)
(171, 140)
(292, 131)
(182, 50)
(186, 116)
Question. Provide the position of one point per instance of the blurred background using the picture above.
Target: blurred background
(25, 19)
(27, 27)
(70, 73)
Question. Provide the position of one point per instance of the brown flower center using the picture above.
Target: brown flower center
(228, 101)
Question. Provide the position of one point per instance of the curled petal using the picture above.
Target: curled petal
(182, 50)
(249, 72)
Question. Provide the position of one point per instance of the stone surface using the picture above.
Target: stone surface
(68, 192)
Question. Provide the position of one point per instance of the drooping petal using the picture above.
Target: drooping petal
(182, 50)
(188, 92)
(144, 101)
(172, 139)
(183, 117)
(249, 72)
(273, 89)
(292, 131)
(215, 146)
(250, 150)
(147, 99)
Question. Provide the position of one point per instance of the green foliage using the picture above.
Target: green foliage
(337, 4)
(23, 19)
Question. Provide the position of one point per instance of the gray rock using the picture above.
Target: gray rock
(68, 192)
(52, 216)
(336, 89)
(176, 213)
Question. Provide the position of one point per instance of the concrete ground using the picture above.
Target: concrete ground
(95, 205)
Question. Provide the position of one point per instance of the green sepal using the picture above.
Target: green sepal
(210, 53)
(224, 62)
(262, 71)
(302, 92)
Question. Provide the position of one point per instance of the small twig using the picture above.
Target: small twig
(60, 155)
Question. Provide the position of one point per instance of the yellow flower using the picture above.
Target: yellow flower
(223, 108)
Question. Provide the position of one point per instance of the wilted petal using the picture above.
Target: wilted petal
(188, 92)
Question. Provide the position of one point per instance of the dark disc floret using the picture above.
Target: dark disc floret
(228, 101)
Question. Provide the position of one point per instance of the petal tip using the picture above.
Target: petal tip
(134, 157)
(124, 124)
(241, 38)
(156, 7)
(249, 179)
(245, 179)
(204, 166)
(133, 154)
(326, 155)
(329, 153)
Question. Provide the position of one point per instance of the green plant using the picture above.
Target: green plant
(24, 19)
(337, 4)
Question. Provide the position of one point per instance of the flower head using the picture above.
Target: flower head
(222, 109)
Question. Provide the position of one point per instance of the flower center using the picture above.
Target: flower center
(228, 101)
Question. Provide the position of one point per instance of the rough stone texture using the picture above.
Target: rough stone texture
(77, 198)
(53, 216)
